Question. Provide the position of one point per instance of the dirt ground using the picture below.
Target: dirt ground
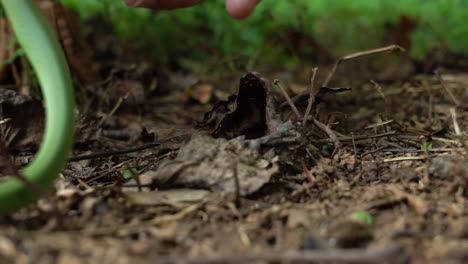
(378, 174)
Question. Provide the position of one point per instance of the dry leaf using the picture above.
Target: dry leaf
(214, 164)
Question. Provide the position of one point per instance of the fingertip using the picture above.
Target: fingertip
(134, 3)
(130, 2)
(240, 9)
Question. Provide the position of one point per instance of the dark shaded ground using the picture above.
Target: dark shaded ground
(416, 196)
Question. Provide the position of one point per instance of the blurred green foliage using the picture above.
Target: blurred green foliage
(341, 26)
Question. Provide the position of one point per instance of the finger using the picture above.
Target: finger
(162, 4)
(240, 9)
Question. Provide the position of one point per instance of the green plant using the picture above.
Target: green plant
(16, 54)
(44, 52)
(426, 145)
(342, 26)
(363, 216)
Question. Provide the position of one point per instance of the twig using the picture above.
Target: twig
(360, 54)
(384, 123)
(372, 151)
(379, 89)
(105, 154)
(359, 137)
(445, 140)
(180, 215)
(405, 158)
(330, 133)
(114, 109)
(312, 93)
(458, 132)
(395, 253)
(414, 150)
(288, 99)
(312, 179)
(442, 82)
(456, 127)
(354, 144)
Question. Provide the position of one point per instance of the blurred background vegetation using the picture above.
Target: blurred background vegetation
(286, 31)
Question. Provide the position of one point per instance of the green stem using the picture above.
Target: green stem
(45, 54)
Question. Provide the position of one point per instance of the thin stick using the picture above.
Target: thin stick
(372, 151)
(379, 124)
(414, 150)
(359, 137)
(456, 127)
(445, 140)
(312, 94)
(354, 144)
(330, 133)
(360, 54)
(178, 216)
(442, 82)
(405, 158)
(288, 99)
(105, 154)
(114, 109)
(310, 176)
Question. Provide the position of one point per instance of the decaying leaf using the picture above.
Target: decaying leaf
(253, 114)
(214, 164)
(219, 110)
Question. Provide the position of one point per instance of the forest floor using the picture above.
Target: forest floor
(376, 174)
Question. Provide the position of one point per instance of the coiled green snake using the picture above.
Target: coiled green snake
(46, 56)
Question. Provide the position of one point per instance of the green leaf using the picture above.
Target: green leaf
(18, 53)
(363, 216)
(427, 145)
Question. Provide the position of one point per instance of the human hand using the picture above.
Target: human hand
(238, 9)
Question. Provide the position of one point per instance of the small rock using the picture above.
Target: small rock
(448, 166)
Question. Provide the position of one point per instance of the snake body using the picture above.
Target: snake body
(44, 52)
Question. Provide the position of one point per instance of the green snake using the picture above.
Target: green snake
(44, 52)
